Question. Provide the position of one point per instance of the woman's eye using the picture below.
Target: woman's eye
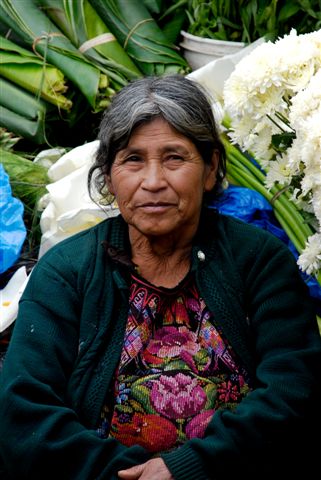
(132, 159)
(175, 158)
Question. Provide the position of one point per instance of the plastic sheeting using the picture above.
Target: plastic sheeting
(12, 228)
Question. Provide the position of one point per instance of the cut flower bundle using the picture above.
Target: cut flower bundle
(273, 105)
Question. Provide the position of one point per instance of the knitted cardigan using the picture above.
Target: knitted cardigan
(68, 336)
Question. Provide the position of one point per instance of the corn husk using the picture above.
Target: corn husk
(140, 36)
(43, 36)
(24, 68)
(21, 113)
(80, 22)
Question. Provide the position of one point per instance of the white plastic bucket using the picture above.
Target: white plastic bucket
(199, 51)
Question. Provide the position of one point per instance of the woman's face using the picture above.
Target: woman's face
(159, 180)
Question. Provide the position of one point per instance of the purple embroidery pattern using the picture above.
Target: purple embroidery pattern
(175, 370)
(172, 342)
(178, 396)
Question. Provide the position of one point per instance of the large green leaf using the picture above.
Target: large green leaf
(21, 113)
(43, 36)
(20, 101)
(82, 25)
(140, 36)
(24, 68)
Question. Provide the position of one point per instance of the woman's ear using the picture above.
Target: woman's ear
(211, 172)
(109, 184)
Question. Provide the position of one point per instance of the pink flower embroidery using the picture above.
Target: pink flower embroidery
(197, 426)
(170, 342)
(177, 396)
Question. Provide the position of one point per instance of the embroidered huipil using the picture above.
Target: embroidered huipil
(175, 369)
(68, 360)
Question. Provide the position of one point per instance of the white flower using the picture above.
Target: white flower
(72, 160)
(10, 297)
(273, 99)
(316, 204)
(47, 158)
(311, 179)
(265, 80)
(310, 259)
(68, 209)
(279, 172)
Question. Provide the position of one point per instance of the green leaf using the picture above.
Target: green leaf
(142, 395)
(211, 394)
(28, 180)
(288, 10)
(140, 36)
(31, 73)
(41, 34)
(173, 27)
(282, 141)
(90, 34)
(154, 6)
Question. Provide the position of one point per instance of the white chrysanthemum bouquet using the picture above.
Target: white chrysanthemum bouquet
(273, 102)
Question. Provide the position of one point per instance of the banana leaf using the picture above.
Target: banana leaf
(80, 22)
(24, 68)
(21, 113)
(28, 180)
(173, 19)
(30, 129)
(154, 6)
(40, 33)
(140, 36)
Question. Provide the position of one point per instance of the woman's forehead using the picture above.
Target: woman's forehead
(154, 126)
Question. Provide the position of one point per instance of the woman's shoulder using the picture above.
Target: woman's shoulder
(233, 230)
(83, 247)
(248, 244)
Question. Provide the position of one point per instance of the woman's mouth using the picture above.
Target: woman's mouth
(155, 207)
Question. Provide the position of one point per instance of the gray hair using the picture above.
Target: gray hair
(182, 102)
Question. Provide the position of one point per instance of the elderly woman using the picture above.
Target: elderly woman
(169, 342)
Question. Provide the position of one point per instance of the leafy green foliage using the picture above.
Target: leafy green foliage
(282, 141)
(247, 20)
(28, 182)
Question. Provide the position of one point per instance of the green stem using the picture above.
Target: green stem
(277, 193)
(235, 157)
(242, 171)
(236, 180)
(234, 152)
(294, 232)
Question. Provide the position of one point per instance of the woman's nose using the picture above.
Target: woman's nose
(154, 176)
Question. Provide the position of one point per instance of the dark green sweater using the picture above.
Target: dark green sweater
(68, 336)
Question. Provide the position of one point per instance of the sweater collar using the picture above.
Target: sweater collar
(117, 245)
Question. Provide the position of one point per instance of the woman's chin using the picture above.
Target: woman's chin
(155, 228)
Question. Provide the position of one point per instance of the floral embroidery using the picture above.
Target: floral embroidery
(197, 426)
(175, 370)
(228, 392)
(178, 396)
(171, 341)
(152, 432)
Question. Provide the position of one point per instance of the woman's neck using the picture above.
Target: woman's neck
(163, 262)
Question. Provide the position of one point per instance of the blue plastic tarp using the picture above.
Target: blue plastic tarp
(12, 228)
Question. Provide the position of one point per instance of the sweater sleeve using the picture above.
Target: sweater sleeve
(41, 436)
(271, 429)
